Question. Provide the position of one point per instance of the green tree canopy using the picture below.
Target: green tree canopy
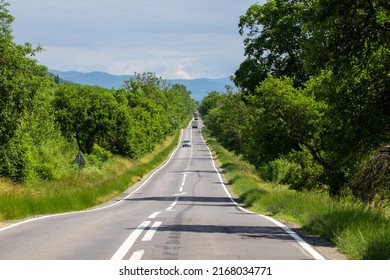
(273, 43)
(89, 114)
(20, 76)
(344, 46)
(227, 119)
(285, 119)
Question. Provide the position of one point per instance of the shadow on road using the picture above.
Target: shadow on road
(246, 232)
(206, 199)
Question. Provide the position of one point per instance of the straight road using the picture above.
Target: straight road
(183, 211)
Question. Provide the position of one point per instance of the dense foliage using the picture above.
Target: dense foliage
(43, 124)
(314, 101)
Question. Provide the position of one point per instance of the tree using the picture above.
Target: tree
(345, 47)
(178, 105)
(285, 119)
(371, 183)
(213, 100)
(57, 79)
(89, 114)
(351, 63)
(20, 79)
(273, 43)
(20, 76)
(347, 33)
(156, 109)
(228, 120)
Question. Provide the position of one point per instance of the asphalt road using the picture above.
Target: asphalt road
(182, 211)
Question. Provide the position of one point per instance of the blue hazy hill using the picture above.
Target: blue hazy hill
(198, 87)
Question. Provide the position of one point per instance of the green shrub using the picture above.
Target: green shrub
(303, 173)
(98, 156)
(275, 171)
(45, 171)
(16, 160)
(371, 183)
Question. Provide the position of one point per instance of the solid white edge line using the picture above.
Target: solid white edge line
(104, 207)
(126, 246)
(152, 231)
(296, 237)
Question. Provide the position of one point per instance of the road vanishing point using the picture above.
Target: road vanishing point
(181, 211)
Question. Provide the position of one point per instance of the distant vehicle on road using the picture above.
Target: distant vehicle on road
(186, 143)
(196, 114)
(194, 124)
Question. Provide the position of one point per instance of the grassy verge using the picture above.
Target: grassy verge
(95, 186)
(358, 232)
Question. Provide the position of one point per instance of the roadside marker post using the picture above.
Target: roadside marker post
(79, 160)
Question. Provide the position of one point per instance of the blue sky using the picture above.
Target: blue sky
(173, 38)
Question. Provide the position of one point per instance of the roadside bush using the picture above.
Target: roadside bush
(303, 172)
(45, 171)
(298, 170)
(275, 171)
(15, 160)
(372, 182)
(99, 156)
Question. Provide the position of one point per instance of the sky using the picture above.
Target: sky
(176, 39)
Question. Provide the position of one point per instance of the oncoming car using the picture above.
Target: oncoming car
(186, 143)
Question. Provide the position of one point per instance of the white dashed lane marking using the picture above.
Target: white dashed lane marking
(137, 255)
(122, 251)
(154, 215)
(151, 232)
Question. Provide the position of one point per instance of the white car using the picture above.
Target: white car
(186, 143)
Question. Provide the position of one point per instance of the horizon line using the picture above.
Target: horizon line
(129, 75)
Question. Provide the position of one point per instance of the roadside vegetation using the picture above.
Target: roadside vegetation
(100, 181)
(44, 123)
(361, 233)
(311, 116)
(312, 102)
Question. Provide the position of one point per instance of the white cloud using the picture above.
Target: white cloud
(173, 38)
(166, 68)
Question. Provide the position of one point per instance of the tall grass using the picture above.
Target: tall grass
(358, 231)
(95, 186)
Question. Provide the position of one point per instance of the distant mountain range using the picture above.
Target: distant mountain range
(199, 87)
